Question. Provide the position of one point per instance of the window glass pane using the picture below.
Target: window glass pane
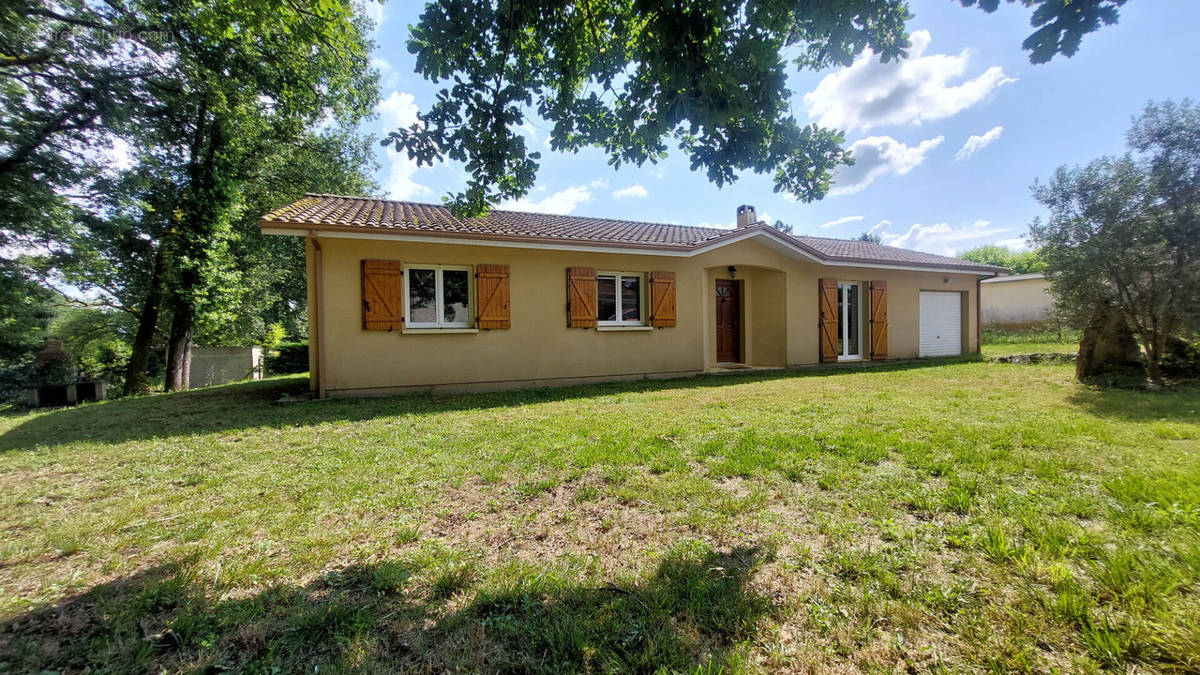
(631, 298)
(422, 296)
(456, 296)
(852, 306)
(841, 319)
(606, 297)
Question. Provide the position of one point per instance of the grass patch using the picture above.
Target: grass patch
(1033, 340)
(956, 516)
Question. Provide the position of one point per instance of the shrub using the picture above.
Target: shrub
(1182, 358)
(287, 358)
(15, 380)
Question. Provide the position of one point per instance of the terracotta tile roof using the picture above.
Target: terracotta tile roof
(316, 211)
(865, 251)
(413, 216)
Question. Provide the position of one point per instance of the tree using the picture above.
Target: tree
(227, 85)
(62, 77)
(271, 269)
(872, 237)
(26, 308)
(1017, 262)
(782, 227)
(97, 338)
(1124, 231)
(1060, 24)
(631, 77)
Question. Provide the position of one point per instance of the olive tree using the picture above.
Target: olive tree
(1124, 231)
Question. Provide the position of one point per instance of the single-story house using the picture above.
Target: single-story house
(405, 296)
(1017, 300)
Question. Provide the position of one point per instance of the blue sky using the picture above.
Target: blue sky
(945, 163)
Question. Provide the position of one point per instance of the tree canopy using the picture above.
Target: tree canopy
(1125, 231)
(218, 102)
(633, 77)
(1017, 262)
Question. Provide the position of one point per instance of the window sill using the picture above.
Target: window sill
(606, 329)
(439, 331)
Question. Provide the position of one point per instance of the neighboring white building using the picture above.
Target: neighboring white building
(1016, 299)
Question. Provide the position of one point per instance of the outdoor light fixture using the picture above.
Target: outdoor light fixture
(732, 271)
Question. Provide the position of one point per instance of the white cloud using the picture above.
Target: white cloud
(561, 202)
(388, 77)
(1015, 244)
(880, 226)
(719, 226)
(876, 156)
(598, 183)
(917, 89)
(840, 221)
(976, 143)
(399, 183)
(398, 110)
(941, 238)
(636, 191)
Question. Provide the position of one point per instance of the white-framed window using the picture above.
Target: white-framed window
(620, 298)
(437, 296)
(850, 313)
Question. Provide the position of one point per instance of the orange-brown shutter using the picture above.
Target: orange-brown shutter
(662, 299)
(581, 297)
(828, 303)
(491, 296)
(879, 321)
(382, 295)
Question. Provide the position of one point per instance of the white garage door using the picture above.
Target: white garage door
(941, 323)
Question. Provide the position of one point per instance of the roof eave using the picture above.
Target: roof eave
(300, 228)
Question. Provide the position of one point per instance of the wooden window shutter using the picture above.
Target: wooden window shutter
(662, 299)
(879, 320)
(382, 295)
(827, 301)
(581, 297)
(491, 296)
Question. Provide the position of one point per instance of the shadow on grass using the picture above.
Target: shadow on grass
(1181, 404)
(696, 610)
(249, 405)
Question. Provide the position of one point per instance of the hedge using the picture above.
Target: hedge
(287, 358)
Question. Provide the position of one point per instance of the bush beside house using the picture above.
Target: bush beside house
(288, 358)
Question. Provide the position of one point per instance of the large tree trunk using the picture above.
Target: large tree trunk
(179, 347)
(139, 357)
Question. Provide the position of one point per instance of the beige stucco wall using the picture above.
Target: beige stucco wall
(1018, 301)
(779, 300)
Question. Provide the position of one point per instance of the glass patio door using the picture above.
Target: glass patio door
(849, 320)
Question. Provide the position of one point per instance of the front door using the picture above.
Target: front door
(728, 316)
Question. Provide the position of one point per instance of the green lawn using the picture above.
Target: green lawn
(963, 515)
(996, 342)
